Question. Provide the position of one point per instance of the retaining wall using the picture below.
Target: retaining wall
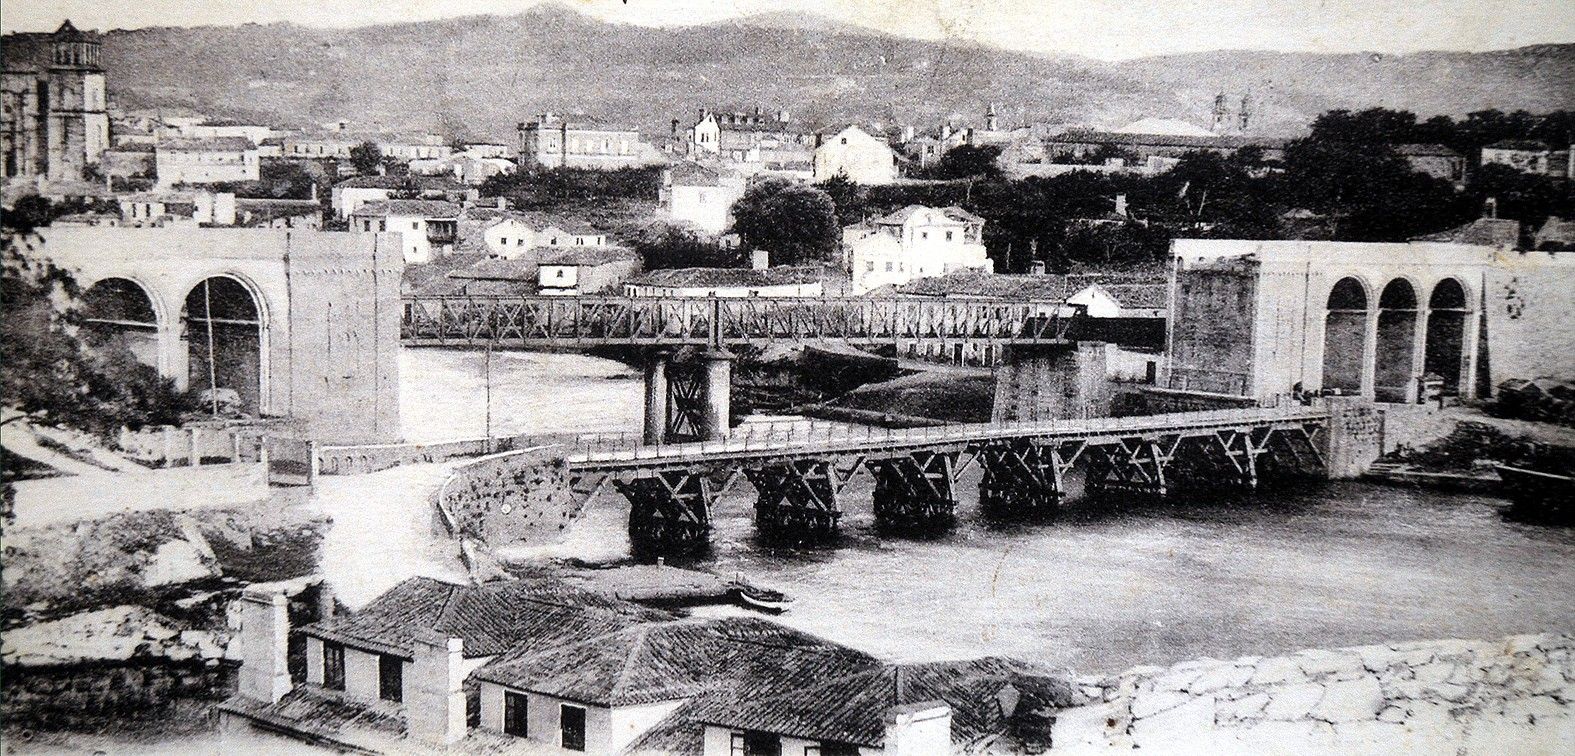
(518, 498)
(1507, 696)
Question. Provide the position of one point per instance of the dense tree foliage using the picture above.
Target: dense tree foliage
(1345, 181)
(665, 245)
(548, 188)
(968, 161)
(797, 224)
(366, 157)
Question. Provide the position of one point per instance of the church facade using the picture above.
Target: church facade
(54, 120)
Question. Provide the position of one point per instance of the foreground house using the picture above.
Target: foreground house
(702, 196)
(599, 695)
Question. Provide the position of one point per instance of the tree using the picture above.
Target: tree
(665, 245)
(968, 161)
(55, 371)
(797, 224)
(850, 198)
(366, 157)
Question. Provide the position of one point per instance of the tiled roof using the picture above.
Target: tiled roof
(426, 183)
(1425, 150)
(1165, 140)
(585, 255)
(324, 715)
(852, 709)
(497, 269)
(211, 144)
(1492, 232)
(709, 277)
(1138, 296)
(491, 618)
(680, 659)
(412, 207)
(970, 283)
(1556, 233)
(1523, 145)
(900, 217)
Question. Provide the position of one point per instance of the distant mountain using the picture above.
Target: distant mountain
(478, 76)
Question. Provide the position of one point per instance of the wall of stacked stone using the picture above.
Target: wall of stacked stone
(516, 498)
(370, 458)
(1507, 696)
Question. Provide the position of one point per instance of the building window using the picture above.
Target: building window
(836, 749)
(333, 666)
(948, 236)
(571, 724)
(870, 266)
(762, 744)
(888, 266)
(736, 747)
(390, 678)
(559, 273)
(516, 714)
(415, 225)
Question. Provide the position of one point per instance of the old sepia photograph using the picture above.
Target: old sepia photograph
(787, 377)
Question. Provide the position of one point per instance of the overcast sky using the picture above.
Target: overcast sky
(1107, 29)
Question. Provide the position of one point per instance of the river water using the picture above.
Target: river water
(1099, 589)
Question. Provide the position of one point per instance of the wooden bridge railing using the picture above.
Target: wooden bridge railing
(622, 452)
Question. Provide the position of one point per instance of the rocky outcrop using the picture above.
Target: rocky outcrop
(1509, 696)
(116, 634)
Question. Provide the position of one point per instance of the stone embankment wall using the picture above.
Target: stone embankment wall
(1510, 696)
(512, 499)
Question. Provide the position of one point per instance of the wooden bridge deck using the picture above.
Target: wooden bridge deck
(601, 455)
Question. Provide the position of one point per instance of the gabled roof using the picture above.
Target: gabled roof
(1493, 232)
(425, 183)
(954, 213)
(1522, 145)
(491, 618)
(1556, 233)
(852, 709)
(743, 277)
(1130, 296)
(585, 256)
(972, 283)
(408, 207)
(680, 659)
(1426, 150)
(210, 144)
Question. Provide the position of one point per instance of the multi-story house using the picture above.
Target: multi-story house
(177, 208)
(914, 242)
(750, 137)
(428, 227)
(553, 141)
(1528, 156)
(349, 195)
(584, 270)
(205, 161)
(855, 155)
(54, 122)
(700, 196)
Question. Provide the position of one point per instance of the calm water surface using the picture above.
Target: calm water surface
(1102, 587)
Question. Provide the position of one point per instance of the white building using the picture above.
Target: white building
(857, 156)
(702, 197)
(1529, 156)
(349, 195)
(177, 208)
(584, 270)
(205, 161)
(915, 242)
(428, 227)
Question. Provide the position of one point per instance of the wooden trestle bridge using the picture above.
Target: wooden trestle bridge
(584, 321)
(798, 479)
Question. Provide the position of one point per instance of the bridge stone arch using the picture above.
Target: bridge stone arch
(126, 312)
(224, 329)
(1396, 349)
(1449, 315)
(1348, 309)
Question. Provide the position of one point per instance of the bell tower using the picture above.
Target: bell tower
(78, 115)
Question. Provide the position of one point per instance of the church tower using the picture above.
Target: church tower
(78, 115)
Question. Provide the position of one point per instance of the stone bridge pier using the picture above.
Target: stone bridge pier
(688, 400)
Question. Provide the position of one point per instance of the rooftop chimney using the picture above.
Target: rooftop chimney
(1490, 207)
(918, 729)
(760, 259)
(1036, 268)
(435, 706)
(264, 640)
(1121, 205)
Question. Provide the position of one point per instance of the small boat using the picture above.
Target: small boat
(759, 599)
(1537, 495)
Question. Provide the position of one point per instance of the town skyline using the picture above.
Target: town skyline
(1101, 29)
